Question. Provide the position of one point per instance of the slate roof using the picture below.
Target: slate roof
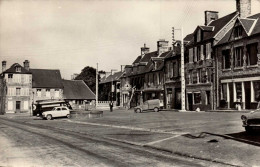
(188, 37)
(77, 89)
(207, 28)
(115, 77)
(251, 23)
(219, 24)
(45, 78)
(12, 69)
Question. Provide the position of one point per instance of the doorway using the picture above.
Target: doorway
(18, 105)
(247, 95)
(190, 101)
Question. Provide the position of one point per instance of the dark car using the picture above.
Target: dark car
(251, 120)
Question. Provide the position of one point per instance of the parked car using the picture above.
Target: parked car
(149, 105)
(251, 120)
(56, 112)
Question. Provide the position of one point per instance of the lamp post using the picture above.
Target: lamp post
(97, 86)
(183, 88)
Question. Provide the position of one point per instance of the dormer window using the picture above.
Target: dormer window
(18, 69)
(238, 31)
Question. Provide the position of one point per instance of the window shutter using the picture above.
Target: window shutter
(191, 55)
(201, 53)
(195, 54)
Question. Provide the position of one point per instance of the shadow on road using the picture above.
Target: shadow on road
(249, 138)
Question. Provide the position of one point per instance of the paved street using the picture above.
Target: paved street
(166, 138)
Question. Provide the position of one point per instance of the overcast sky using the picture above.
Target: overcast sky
(71, 34)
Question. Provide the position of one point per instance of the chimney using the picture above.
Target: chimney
(144, 50)
(210, 16)
(26, 65)
(243, 8)
(3, 66)
(162, 46)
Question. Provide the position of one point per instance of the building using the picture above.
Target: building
(238, 62)
(78, 94)
(145, 75)
(46, 84)
(18, 83)
(200, 68)
(109, 89)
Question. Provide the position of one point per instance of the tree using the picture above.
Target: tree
(88, 75)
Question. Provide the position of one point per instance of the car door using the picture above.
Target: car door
(64, 112)
(58, 112)
(145, 106)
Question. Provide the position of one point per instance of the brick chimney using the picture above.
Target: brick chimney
(144, 50)
(26, 65)
(210, 16)
(243, 8)
(162, 46)
(3, 66)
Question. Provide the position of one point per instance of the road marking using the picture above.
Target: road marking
(129, 127)
(158, 141)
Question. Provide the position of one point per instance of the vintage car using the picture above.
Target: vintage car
(56, 112)
(251, 120)
(149, 105)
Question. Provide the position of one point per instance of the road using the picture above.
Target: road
(42, 144)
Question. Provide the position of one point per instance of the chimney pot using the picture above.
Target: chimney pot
(26, 65)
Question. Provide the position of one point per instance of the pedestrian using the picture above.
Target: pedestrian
(111, 106)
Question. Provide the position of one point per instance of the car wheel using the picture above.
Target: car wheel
(68, 115)
(248, 129)
(49, 117)
(138, 110)
(156, 109)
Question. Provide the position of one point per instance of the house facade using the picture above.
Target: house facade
(238, 60)
(200, 68)
(18, 83)
(46, 84)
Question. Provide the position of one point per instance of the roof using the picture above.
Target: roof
(250, 24)
(207, 28)
(115, 77)
(77, 89)
(45, 78)
(188, 37)
(148, 56)
(12, 69)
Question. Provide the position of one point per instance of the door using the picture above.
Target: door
(190, 101)
(177, 98)
(18, 105)
(247, 95)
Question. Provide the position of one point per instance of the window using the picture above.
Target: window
(195, 77)
(18, 91)
(197, 98)
(38, 92)
(226, 59)
(239, 90)
(191, 55)
(204, 76)
(238, 57)
(198, 35)
(18, 69)
(199, 75)
(175, 69)
(57, 93)
(10, 77)
(198, 53)
(208, 50)
(48, 94)
(202, 57)
(252, 54)
(238, 31)
(256, 85)
(195, 58)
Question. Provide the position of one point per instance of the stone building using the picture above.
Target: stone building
(199, 70)
(238, 62)
(18, 82)
(46, 84)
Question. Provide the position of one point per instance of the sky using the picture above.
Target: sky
(72, 34)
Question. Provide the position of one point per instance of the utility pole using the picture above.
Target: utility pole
(183, 87)
(97, 86)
